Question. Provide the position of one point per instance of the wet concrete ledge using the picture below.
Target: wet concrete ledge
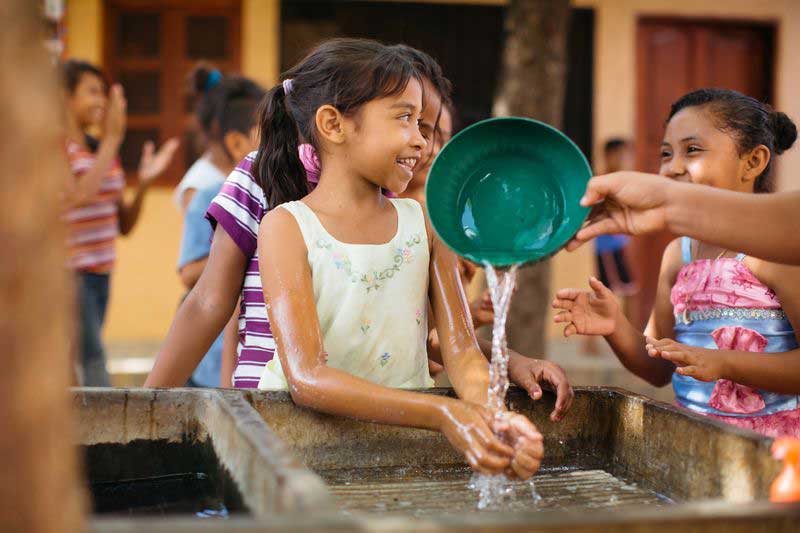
(719, 475)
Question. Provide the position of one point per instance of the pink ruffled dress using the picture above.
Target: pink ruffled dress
(720, 304)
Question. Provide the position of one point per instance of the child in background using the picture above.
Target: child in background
(211, 92)
(613, 264)
(227, 108)
(96, 211)
(349, 274)
(735, 352)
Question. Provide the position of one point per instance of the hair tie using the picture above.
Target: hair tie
(287, 86)
(214, 77)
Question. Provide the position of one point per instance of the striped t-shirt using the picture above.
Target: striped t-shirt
(238, 209)
(93, 226)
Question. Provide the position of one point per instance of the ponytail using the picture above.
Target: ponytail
(277, 167)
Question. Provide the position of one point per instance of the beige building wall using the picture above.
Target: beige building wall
(146, 289)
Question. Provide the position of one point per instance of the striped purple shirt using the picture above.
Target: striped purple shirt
(238, 209)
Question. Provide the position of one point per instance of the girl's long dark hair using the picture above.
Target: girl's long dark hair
(344, 73)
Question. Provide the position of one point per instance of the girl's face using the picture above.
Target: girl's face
(385, 140)
(88, 101)
(694, 150)
(435, 135)
(239, 145)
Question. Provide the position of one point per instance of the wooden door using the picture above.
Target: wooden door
(150, 48)
(675, 57)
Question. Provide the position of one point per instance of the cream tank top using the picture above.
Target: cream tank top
(371, 299)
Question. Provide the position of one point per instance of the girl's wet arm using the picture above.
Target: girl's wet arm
(202, 315)
(466, 365)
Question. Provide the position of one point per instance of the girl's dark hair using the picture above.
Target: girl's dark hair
(224, 103)
(344, 73)
(73, 69)
(430, 70)
(750, 122)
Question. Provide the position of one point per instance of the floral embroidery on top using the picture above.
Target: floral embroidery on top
(366, 323)
(372, 280)
(419, 316)
(385, 358)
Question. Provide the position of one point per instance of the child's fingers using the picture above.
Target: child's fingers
(568, 294)
(171, 145)
(475, 464)
(563, 316)
(562, 303)
(679, 358)
(691, 370)
(533, 449)
(533, 388)
(487, 438)
(597, 286)
(147, 150)
(525, 427)
(524, 467)
(564, 393)
(492, 462)
(653, 352)
(570, 330)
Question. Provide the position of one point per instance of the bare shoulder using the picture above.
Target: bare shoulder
(279, 230)
(781, 278)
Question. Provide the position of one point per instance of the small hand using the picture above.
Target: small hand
(698, 363)
(152, 164)
(467, 427)
(530, 374)
(526, 440)
(585, 312)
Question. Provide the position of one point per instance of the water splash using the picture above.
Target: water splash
(495, 491)
(501, 289)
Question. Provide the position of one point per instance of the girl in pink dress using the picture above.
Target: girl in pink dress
(722, 328)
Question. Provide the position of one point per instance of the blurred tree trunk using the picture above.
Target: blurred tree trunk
(39, 487)
(533, 85)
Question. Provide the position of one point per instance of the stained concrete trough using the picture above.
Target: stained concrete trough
(618, 460)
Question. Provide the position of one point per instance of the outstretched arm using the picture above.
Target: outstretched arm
(638, 203)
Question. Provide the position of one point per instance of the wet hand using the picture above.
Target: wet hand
(526, 440)
(624, 202)
(587, 312)
(533, 374)
(467, 427)
(152, 164)
(698, 363)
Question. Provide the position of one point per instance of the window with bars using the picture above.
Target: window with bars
(150, 48)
